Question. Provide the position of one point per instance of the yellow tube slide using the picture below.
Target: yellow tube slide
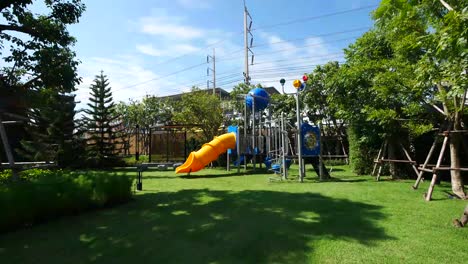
(197, 160)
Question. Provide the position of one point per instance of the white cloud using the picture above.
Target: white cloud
(155, 26)
(169, 26)
(127, 78)
(284, 48)
(200, 4)
(287, 59)
(315, 46)
(184, 48)
(148, 49)
(168, 50)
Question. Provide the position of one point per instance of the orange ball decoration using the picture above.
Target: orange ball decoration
(297, 84)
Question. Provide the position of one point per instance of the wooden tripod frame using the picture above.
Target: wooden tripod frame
(381, 158)
(437, 167)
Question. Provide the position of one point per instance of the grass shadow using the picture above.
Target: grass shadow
(232, 173)
(206, 226)
(333, 179)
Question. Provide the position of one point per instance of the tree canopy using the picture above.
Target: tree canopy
(40, 52)
(399, 75)
(202, 109)
(149, 112)
(37, 55)
(432, 37)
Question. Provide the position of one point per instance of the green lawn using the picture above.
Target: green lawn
(219, 217)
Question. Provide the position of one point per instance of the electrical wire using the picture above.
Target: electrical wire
(332, 55)
(297, 63)
(307, 46)
(264, 44)
(198, 65)
(315, 17)
(191, 52)
(312, 36)
(161, 77)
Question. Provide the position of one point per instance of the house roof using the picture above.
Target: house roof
(218, 91)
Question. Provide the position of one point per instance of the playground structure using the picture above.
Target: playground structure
(266, 140)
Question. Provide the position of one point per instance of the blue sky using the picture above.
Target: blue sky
(139, 43)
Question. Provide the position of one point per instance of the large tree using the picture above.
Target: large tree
(372, 92)
(39, 53)
(36, 53)
(437, 32)
(202, 109)
(150, 111)
(319, 97)
(102, 122)
(51, 130)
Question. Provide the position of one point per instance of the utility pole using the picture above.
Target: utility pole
(247, 47)
(299, 139)
(213, 70)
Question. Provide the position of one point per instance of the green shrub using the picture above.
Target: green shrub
(44, 195)
(26, 175)
(5, 176)
(131, 161)
(364, 143)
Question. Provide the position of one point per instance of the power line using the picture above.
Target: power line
(296, 39)
(295, 48)
(161, 77)
(191, 52)
(297, 62)
(308, 45)
(232, 81)
(225, 75)
(332, 55)
(312, 36)
(197, 65)
(229, 75)
(294, 67)
(236, 81)
(201, 83)
(316, 17)
(261, 27)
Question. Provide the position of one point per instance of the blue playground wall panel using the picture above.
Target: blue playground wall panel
(310, 140)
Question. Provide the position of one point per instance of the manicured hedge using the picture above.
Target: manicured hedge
(43, 194)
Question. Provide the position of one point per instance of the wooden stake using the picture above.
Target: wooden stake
(434, 175)
(377, 160)
(380, 162)
(344, 151)
(418, 180)
(409, 158)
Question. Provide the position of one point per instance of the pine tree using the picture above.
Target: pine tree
(50, 131)
(101, 123)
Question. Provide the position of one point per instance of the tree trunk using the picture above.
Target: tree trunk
(392, 156)
(456, 178)
(455, 141)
